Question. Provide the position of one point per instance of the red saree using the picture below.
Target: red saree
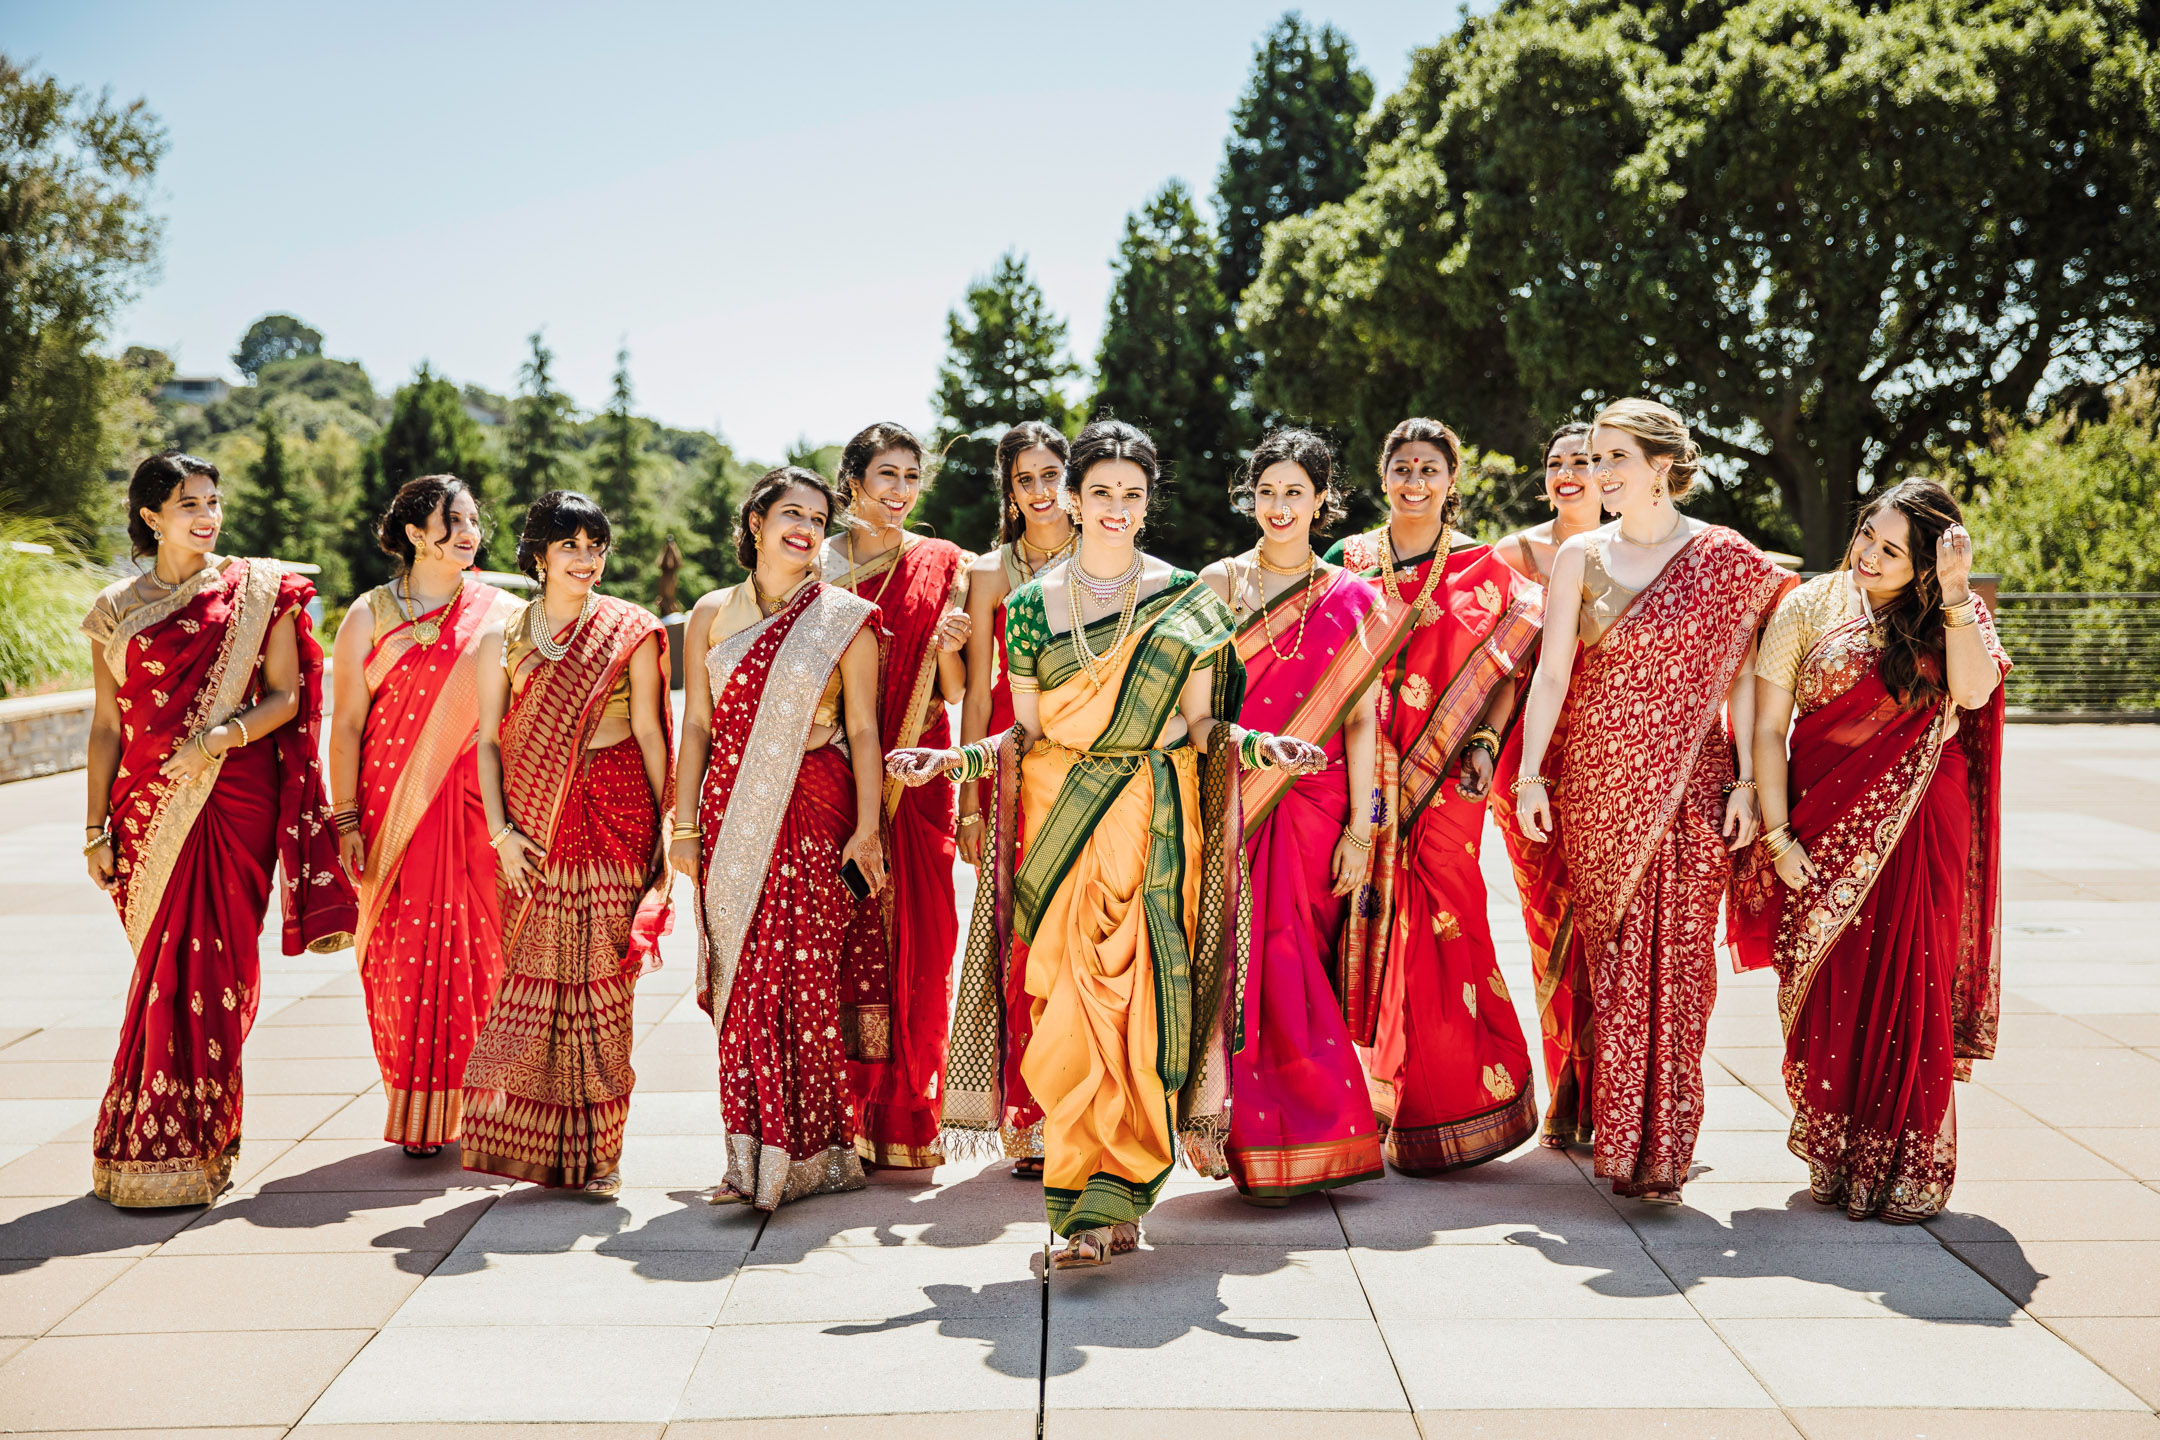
(1300, 1119)
(1640, 802)
(195, 861)
(1449, 1071)
(1022, 1129)
(547, 1088)
(774, 914)
(430, 933)
(1557, 961)
(897, 975)
(1889, 961)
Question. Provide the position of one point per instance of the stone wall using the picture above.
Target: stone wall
(45, 734)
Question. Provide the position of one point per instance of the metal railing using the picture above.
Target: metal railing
(2090, 656)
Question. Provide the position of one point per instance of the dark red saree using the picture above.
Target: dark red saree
(1889, 961)
(195, 861)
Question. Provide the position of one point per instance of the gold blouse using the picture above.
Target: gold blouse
(1604, 598)
(738, 613)
(1802, 618)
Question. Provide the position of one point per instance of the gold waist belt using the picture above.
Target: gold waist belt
(1127, 760)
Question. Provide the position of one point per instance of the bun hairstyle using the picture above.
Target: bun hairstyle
(1419, 430)
(560, 515)
(1571, 429)
(1664, 436)
(870, 442)
(766, 493)
(1023, 437)
(1309, 453)
(152, 484)
(1912, 627)
(1106, 440)
(415, 504)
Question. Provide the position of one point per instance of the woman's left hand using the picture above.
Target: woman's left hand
(919, 765)
(953, 630)
(1352, 863)
(1477, 773)
(190, 760)
(868, 853)
(1953, 564)
(1742, 819)
(1298, 757)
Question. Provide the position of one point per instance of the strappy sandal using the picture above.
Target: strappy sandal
(726, 1195)
(604, 1187)
(1030, 1168)
(1125, 1237)
(1084, 1250)
(1660, 1197)
(422, 1152)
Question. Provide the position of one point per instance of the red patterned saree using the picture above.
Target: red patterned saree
(1021, 1133)
(898, 972)
(1449, 1071)
(1889, 981)
(1640, 802)
(773, 912)
(195, 861)
(1300, 1118)
(547, 1088)
(430, 934)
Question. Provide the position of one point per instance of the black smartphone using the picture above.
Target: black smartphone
(857, 883)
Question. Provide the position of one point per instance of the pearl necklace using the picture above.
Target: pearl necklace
(1105, 592)
(1089, 660)
(537, 630)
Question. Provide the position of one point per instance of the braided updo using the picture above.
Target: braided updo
(1664, 436)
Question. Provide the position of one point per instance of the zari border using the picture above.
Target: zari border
(162, 1184)
(1457, 1144)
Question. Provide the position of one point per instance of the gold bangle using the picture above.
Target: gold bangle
(686, 832)
(245, 738)
(1517, 787)
(203, 745)
(973, 817)
(1351, 836)
(103, 837)
(495, 840)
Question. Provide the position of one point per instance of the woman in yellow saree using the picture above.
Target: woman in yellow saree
(1124, 676)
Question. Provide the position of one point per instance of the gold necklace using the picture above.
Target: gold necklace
(1260, 555)
(1035, 567)
(1427, 612)
(1267, 625)
(425, 632)
(1671, 530)
(1089, 660)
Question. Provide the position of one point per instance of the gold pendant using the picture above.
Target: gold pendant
(426, 633)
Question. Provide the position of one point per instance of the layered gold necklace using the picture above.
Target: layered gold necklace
(1427, 612)
(1078, 579)
(1267, 623)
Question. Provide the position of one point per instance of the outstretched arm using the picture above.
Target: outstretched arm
(1549, 687)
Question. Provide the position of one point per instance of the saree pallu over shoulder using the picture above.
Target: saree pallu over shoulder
(1346, 626)
(909, 588)
(1645, 701)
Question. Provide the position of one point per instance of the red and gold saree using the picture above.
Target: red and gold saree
(547, 1088)
(897, 976)
(195, 861)
(1300, 1119)
(1640, 802)
(773, 912)
(1888, 961)
(430, 933)
(1022, 1129)
(1449, 1071)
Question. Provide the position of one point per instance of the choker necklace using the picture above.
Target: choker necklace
(1090, 662)
(1105, 592)
(1260, 558)
(1678, 520)
(1427, 611)
(540, 633)
(1035, 567)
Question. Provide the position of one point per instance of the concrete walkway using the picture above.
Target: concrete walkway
(343, 1290)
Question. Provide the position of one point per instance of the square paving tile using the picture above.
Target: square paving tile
(1527, 1280)
(2127, 1347)
(35, 1295)
(33, 1122)
(2081, 1106)
(1252, 1362)
(2031, 1155)
(898, 1366)
(697, 1072)
(56, 1079)
(1746, 1157)
(985, 1209)
(1977, 1424)
(532, 1374)
(653, 1287)
(1434, 1212)
(308, 1042)
(673, 1162)
(2135, 1151)
(1243, 1424)
(674, 1112)
(368, 1165)
(1478, 1364)
(133, 1382)
(317, 1075)
(1900, 1362)
(1724, 1214)
(181, 1293)
(536, 1221)
(2142, 1030)
(1979, 1108)
(1737, 1107)
(1646, 1424)
(1202, 1283)
(1752, 1279)
(2056, 1278)
(2030, 1210)
(422, 1228)
(866, 1282)
(1757, 1065)
(94, 1043)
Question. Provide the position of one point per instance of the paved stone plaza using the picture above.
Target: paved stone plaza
(343, 1290)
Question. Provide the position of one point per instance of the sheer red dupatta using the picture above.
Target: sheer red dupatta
(1860, 766)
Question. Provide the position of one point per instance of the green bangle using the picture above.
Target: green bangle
(1250, 754)
(976, 760)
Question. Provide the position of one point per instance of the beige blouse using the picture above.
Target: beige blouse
(1808, 613)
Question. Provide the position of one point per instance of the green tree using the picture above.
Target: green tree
(1167, 364)
(542, 422)
(428, 433)
(76, 240)
(273, 517)
(274, 338)
(1005, 362)
(1832, 235)
(1293, 140)
(707, 538)
(620, 489)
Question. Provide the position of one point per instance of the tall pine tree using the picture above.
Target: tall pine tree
(708, 539)
(429, 434)
(1293, 140)
(1167, 365)
(538, 438)
(1006, 363)
(632, 568)
(275, 517)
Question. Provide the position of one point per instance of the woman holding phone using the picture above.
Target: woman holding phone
(780, 714)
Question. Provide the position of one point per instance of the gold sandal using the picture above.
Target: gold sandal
(602, 1187)
(1084, 1250)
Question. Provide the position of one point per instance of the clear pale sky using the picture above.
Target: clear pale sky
(773, 205)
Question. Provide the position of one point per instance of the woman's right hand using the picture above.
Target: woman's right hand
(919, 766)
(683, 855)
(519, 854)
(1794, 867)
(102, 868)
(970, 838)
(1533, 811)
(868, 853)
(352, 853)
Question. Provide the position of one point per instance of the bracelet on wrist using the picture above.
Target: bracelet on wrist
(1732, 785)
(241, 725)
(1516, 788)
(1351, 836)
(103, 837)
(495, 840)
(680, 831)
(973, 817)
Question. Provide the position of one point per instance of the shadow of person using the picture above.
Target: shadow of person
(985, 1314)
